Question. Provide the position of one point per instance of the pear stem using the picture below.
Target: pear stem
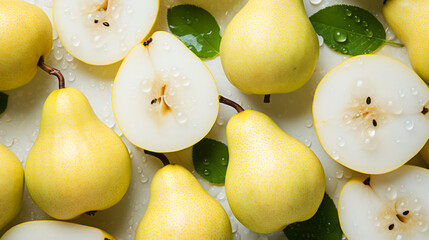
(160, 156)
(231, 103)
(267, 98)
(52, 71)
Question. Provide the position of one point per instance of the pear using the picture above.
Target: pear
(164, 98)
(409, 20)
(370, 113)
(179, 208)
(272, 179)
(11, 185)
(269, 47)
(25, 38)
(77, 164)
(394, 205)
(54, 230)
(102, 32)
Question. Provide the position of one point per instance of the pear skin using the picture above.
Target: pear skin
(77, 164)
(272, 179)
(269, 47)
(11, 185)
(179, 208)
(409, 20)
(25, 36)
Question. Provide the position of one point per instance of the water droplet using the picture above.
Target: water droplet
(339, 174)
(166, 46)
(340, 142)
(75, 41)
(129, 9)
(206, 162)
(206, 172)
(220, 121)
(348, 13)
(335, 155)
(221, 195)
(364, 24)
(369, 33)
(188, 21)
(371, 132)
(71, 76)
(391, 193)
(399, 237)
(409, 125)
(9, 142)
(344, 50)
(340, 36)
(416, 204)
(321, 40)
(356, 19)
(422, 226)
(223, 161)
(401, 93)
(69, 57)
(143, 178)
(181, 118)
(307, 142)
(146, 85)
(419, 178)
(309, 124)
(315, 2)
(58, 54)
(414, 91)
(397, 140)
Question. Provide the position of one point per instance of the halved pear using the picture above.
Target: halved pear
(389, 206)
(164, 98)
(102, 32)
(54, 230)
(370, 113)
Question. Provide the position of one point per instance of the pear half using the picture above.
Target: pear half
(164, 98)
(370, 113)
(389, 206)
(102, 32)
(54, 230)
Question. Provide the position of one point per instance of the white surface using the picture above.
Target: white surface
(19, 124)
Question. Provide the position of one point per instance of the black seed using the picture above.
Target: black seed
(391, 226)
(91, 213)
(368, 100)
(425, 110)
(147, 42)
(153, 101)
(366, 182)
(95, 20)
(405, 213)
(106, 24)
(374, 123)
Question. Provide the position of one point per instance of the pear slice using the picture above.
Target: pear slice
(54, 230)
(370, 113)
(102, 32)
(164, 98)
(389, 206)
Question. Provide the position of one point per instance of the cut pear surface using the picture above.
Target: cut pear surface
(102, 32)
(164, 98)
(389, 206)
(370, 113)
(54, 230)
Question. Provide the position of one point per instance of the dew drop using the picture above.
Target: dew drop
(220, 121)
(71, 76)
(391, 193)
(422, 226)
(401, 94)
(419, 178)
(181, 118)
(188, 21)
(206, 172)
(321, 40)
(340, 37)
(309, 124)
(223, 161)
(335, 155)
(129, 9)
(409, 125)
(414, 91)
(399, 237)
(356, 19)
(307, 142)
(348, 13)
(364, 23)
(75, 41)
(146, 85)
(416, 204)
(340, 142)
(166, 46)
(344, 50)
(315, 2)
(69, 57)
(339, 174)
(371, 132)
(206, 162)
(369, 33)
(58, 55)
(96, 38)
(220, 196)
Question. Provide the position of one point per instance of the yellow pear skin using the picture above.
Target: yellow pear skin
(272, 179)
(269, 47)
(11, 185)
(77, 164)
(179, 208)
(25, 36)
(409, 20)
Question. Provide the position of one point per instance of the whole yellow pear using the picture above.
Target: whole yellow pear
(409, 20)
(269, 47)
(179, 208)
(77, 164)
(25, 37)
(272, 179)
(11, 185)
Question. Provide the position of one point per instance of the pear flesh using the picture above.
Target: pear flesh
(272, 179)
(409, 20)
(164, 98)
(370, 113)
(102, 32)
(394, 205)
(54, 230)
(269, 47)
(11, 185)
(179, 208)
(20, 54)
(77, 164)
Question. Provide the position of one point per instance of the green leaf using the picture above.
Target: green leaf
(210, 159)
(324, 225)
(349, 30)
(3, 102)
(196, 28)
